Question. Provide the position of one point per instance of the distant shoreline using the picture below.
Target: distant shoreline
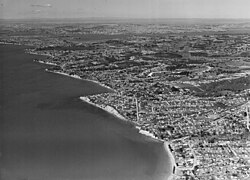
(78, 77)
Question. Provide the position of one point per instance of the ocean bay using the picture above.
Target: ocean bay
(47, 132)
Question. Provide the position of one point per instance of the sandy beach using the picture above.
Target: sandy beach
(147, 133)
(43, 62)
(78, 77)
(172, 160)
(103, 85)
(109, 109)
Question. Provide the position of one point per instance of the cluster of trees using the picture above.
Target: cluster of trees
(234, 85)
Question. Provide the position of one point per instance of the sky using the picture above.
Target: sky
(29, 9)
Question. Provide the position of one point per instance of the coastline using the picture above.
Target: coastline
(141, 131)
(148, 134)
(172, 160)
(43, 62)
(107, 108)
(72, 76)
(78, 77)
(115, 113)
(124, 144)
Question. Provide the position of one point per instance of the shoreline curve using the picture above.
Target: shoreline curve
(115, 113)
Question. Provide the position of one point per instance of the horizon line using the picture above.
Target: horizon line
(125, 18)
(118, 20)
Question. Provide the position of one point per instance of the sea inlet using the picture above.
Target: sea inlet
(48, 133)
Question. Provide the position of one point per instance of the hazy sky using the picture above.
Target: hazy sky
(124, 8)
